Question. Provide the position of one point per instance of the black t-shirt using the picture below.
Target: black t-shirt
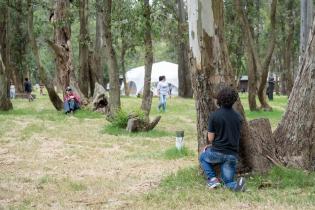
(225, 123)
(27, 86)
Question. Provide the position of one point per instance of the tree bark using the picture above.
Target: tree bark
(147, 93)
(84, 48)
(306, 24)
(98, 48)
(295, 141)
(261, 66)
(252, 80)
(113, 71)
(62, 48)
(122, 63)
(288, 50)
(53, 96)
(5, 103)
(184, 76)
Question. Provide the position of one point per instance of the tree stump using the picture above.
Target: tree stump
(262, 145)
(100, 101)
(136, 124)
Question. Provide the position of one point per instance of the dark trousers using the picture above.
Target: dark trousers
(70, 105)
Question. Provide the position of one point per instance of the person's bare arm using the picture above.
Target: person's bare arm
(210, 140)
(210, 137)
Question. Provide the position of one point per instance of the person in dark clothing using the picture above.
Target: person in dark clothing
(224, 128)
(28, 89)
(270, 88)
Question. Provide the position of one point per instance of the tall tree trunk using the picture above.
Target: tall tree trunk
(184, 76)
(5, 103)
(288, 49)
(113, 71)
(306, 24)
(252, 80)
(295, 135)
(211, 68)
(98, 48)
(62, 48)
(84, 48)
(147, 93)
(53, 96)
(122, 63)
(261, 66)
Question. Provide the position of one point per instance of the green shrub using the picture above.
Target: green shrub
(120, 120)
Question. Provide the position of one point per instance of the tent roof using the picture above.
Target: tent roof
(169, 70)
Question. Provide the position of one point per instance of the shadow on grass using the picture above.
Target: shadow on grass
(112, 130)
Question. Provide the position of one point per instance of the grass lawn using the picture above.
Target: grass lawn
(52, 161)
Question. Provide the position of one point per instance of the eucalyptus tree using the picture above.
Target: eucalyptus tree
(43, 74)
(307, 14)
(211, 70)
(262, 66)
(148, 62)
(84, 68)
(110, 54)
(62, 47)
(5, 103)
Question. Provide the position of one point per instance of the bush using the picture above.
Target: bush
(120, 120)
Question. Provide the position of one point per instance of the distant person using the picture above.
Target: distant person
(270, 88)
(224, 128)
(162, 91)
(28, 89)
(71, 101)
(12, 90)
(41, 89)
(170, 89)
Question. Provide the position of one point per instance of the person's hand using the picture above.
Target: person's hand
(206, 147)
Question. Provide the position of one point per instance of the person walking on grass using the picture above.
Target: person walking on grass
(28, 89)
(224, 127)
(162, 91)
(12, 90)
(71, 101)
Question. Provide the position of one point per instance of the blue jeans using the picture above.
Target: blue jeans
(162, 102)
(227, 164)
(70, 105)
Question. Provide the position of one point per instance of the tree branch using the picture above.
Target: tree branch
(56, 48)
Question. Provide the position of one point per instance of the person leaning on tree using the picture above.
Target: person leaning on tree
(224, 127)
(71, 101)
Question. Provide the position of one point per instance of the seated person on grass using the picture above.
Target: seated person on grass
(223, 137)
(71, 101)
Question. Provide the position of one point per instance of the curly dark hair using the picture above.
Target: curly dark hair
(227, 97)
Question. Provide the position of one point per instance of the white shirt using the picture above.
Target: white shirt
(162, 88)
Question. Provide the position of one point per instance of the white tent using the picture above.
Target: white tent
(135, 77)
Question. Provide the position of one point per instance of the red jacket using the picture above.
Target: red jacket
(74, 96)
